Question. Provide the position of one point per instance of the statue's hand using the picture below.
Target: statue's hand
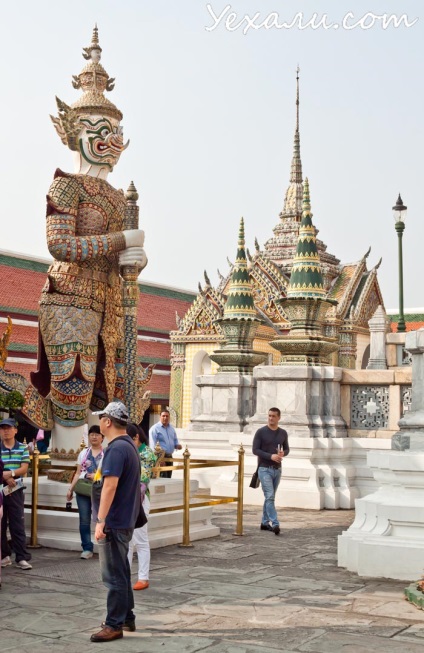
(134, 237)
(133, 256)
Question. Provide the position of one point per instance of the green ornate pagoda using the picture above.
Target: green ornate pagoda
(240, 320)
(305, 304)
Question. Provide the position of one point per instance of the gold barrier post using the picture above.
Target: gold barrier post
(186, 510)
(34, 498)
(239, 527)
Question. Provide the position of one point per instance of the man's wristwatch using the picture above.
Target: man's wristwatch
(13, 473)
(100, 521)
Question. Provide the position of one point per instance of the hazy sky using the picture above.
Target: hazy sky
(210, 116)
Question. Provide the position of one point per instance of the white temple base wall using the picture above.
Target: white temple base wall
(308, 396)
(60, 530)
(387, 537)
(224, 402)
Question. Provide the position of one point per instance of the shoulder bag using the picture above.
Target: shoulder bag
(255, 482)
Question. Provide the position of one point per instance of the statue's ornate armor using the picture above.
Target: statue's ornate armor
(81, 318)
(81, 304)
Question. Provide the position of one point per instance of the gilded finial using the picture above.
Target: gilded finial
(296, 165)
(297, 97)
(93, 51)
(257, 245)
(131, 193)
(207, 280)
(241, 233)
(95, 38)
(306, 197)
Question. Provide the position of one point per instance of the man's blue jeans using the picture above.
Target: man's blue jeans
(116, 575)
(84, 509)
(270, 480)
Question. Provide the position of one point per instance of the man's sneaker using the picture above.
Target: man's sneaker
(6, 562)
(23, 564)
(266, 527)
(86, 555)
(276, 529)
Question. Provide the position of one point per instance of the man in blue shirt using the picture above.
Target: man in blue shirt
(164, 434)
(117, 514)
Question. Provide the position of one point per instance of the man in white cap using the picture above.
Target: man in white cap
(118, 512)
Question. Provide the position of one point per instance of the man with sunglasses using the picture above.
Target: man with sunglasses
(15, 457)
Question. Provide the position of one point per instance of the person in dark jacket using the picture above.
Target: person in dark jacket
(270, 444)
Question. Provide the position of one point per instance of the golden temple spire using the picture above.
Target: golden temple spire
(296, 165)
(297, 98)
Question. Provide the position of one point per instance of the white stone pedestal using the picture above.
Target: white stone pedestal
(308, 397)
(60, 530)
(387, 537)
(225, 402)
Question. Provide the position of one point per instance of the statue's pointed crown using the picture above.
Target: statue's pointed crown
(94, 81)
(306, 275)
(240, 303)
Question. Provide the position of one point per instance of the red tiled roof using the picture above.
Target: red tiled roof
(159, 312)
(24, 334)
(410, 326)
(153, 349)
(22, 281)
(159, 384)
(21, 288)
(20, 368)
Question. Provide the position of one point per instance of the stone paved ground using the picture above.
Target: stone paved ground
(255, 594)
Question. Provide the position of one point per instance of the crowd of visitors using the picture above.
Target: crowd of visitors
(112, 489)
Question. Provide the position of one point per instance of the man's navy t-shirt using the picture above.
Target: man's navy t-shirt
(121, 459)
